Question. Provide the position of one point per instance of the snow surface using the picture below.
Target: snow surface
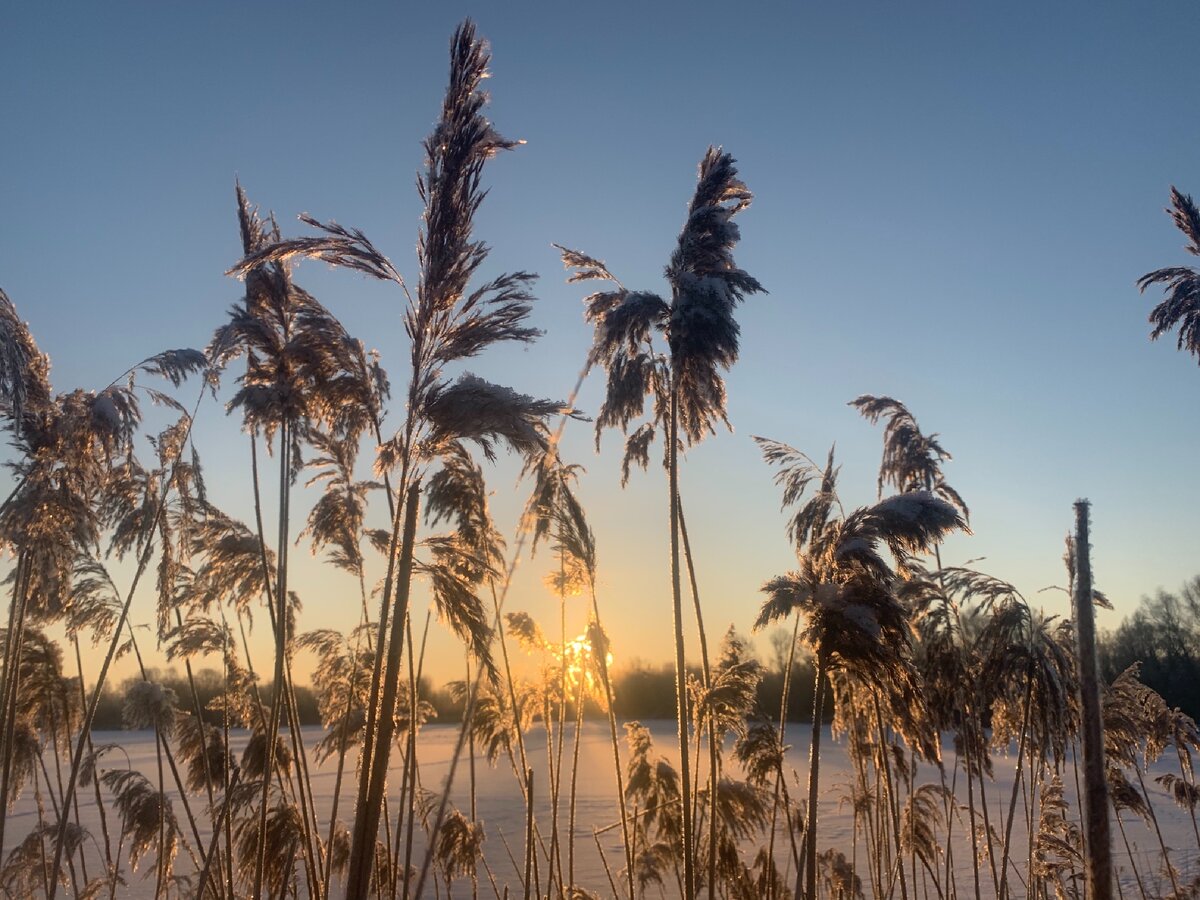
(502, 811)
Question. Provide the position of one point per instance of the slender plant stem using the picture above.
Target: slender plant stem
(366, 821)
(90, 715)
(206, 874)
(529, 852)
(410, 760)
(471, 760)
(574, 780)
(779, 780)
(108, 852)
(814, 778)
(1017, 779)
(685, 775)
(1129, 852)
(554, 749)
(602, 659)
(161, 868)
(14, 641)
(893, 800)
(362, 845)
(714, 749)
(1162, 844)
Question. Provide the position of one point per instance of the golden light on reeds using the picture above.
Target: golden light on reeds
(904, 654)
(582, 667)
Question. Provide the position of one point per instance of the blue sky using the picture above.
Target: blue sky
(953, 202)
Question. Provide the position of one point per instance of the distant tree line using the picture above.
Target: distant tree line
(641, 691)
(209, 686)
(1164, 636)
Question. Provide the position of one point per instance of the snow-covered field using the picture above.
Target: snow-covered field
(501, 809)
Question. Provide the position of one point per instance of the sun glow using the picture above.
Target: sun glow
(581, 664)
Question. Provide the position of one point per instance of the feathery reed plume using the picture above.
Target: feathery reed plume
(292, 383)
(468, 557)
(654, 785)
(1125, 795)
(1029, 663)
(686, 385)
(921, 817)
(340, 678)
(493, 725)
(24, 368)
(1137, 723)
(764, 878)
(95, 602)
(730, 698)
(149, 705)
(446, 322)
(1058, 847)
(197, 636)
(1181, 306)
(284, 840)
(230, 568)
(554, 512)
(458, 847)
(847, 591)
(107, 433)
(760, 752)
(706, 287)
(912, 461)
(143, 812)
(202, 749)
(255, 756)
(1183, 792)
(339, 848)
(26, 750)
(838, 876)
(27, 871)
(336, 519)
(742, 811)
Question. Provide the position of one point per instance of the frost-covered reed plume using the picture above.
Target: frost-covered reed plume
(912, 460)
(684, 384)
(854, 623)
(75, 462)
(553, 512)
(447, 321)
(294, 383)
(904, 654)
(1181, 306)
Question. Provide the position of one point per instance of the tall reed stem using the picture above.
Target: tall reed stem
(779, 780)
(602, 656)
(366, 820)
(1017, 776)
(12, 674)
(685, 776)
(714, 750)
(814, 778)
(89, 717)
(529, 849)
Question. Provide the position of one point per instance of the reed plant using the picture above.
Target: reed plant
(913, 661)
(683, 383)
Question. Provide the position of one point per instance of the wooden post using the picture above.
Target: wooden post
(1096, 835)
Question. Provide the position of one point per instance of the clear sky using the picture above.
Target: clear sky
(953, 202)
